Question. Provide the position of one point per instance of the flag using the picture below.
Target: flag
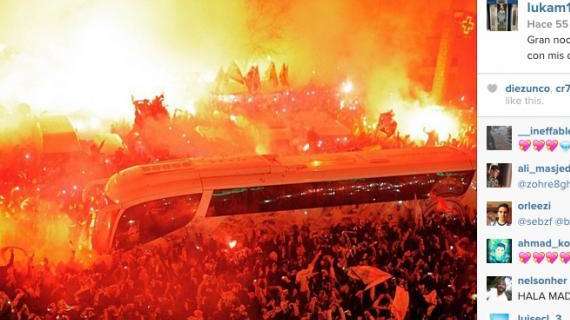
(371, 276)
(387, 124)
(441, 204)
(234, 73)
(302, 277)
(399, 306)
(272, 75)
(252, 80)
(220, 81)
(284, 75)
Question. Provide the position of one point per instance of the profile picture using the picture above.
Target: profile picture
(499, 250)
(499, 316)
(502, 15)
(499, 213)
(499, 137)
(499, 175)
(499, 289)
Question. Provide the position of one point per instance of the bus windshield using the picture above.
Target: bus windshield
(154, 219)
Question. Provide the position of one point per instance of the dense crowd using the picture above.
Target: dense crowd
(301, 273)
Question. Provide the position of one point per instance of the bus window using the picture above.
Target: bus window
(451, 184)
(334, 193)
(154, 219)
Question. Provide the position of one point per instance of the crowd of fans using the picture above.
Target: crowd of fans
(300, 273)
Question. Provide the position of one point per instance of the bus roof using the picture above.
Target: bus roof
(185, 176)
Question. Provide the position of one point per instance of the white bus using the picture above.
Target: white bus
(147, 202)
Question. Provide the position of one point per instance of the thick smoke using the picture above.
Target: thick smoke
(91, 56)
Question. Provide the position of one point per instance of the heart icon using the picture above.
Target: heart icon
(524, 257)
(538, 257)
(524, 145)
(551, 144)
(538, 144)
(551, 256)
(565, 257)
(565, 145)
(492, 87)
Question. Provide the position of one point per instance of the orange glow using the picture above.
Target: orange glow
(316, 163)
(417, 118)
(46, 236)
(347, 87)
(419, 121)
